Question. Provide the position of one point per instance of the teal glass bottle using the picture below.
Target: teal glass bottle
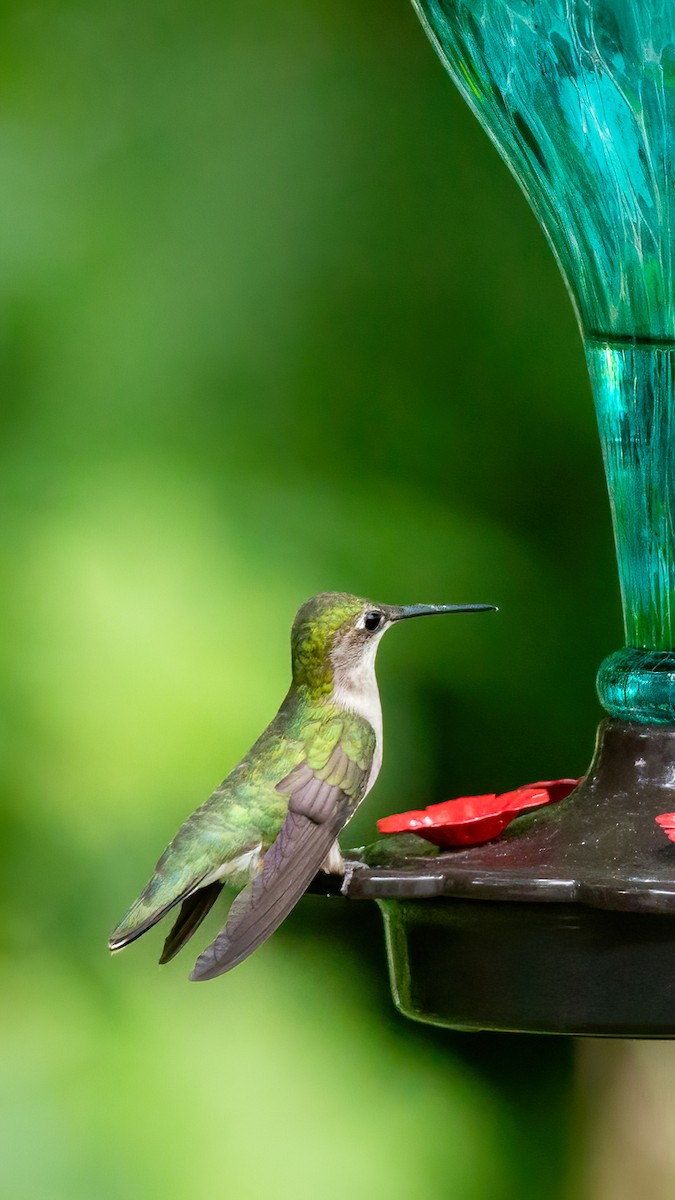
(579, 98)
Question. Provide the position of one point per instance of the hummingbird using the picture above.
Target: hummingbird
(273, 823)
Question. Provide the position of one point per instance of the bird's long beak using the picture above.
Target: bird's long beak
(431, 610)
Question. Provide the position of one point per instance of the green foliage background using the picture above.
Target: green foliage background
(274, 318)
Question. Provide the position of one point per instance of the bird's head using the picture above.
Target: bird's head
(335, 636)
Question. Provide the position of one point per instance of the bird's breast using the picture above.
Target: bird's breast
(359, 694)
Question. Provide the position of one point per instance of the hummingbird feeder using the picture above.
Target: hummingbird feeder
(566, 922)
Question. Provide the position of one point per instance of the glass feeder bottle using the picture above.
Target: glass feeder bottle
(579, 98)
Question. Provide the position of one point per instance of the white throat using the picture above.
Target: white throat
(355, 690)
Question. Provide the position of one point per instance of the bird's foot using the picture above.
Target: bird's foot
(348, 871)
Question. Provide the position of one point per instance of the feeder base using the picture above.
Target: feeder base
(532, 968)
(565, 924)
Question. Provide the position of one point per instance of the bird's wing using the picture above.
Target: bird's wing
(323, 790)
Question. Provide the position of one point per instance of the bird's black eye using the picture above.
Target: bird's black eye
(372, 621)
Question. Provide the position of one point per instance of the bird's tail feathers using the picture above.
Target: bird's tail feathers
(194, 858)
(194, 908)
(143, 914)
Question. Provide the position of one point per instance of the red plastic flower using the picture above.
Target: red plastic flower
(471, 819)
(667, 823)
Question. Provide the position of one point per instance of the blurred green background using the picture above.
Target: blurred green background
(274, 318)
